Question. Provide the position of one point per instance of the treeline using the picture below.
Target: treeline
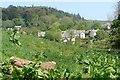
(44, 18)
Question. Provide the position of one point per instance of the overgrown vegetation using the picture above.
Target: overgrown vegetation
(86, 62)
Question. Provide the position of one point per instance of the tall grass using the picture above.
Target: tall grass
(66, 56)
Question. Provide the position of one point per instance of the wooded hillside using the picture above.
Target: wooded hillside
(44, 18)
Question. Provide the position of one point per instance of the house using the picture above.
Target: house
(76, 33)
(65, 34)
(79, 33)
(92, 33)
(18, 27)
(41, 34)
(108, 26)
(9, 29)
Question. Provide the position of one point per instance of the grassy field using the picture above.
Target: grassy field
(71, 57)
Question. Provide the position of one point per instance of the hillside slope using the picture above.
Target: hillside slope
(66, 56)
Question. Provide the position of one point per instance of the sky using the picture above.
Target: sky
(88, 10)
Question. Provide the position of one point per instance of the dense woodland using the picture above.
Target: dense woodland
(45, 18)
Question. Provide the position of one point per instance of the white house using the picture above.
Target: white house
(18, 27)
(41, 34)
(93, 33)
(82, 34)
(106, 26)
(79, 33)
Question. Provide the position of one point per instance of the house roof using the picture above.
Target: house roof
(94, 31)
(18, 26)
(65, 34)
(42, 33)
(106, 26)
(79, 31)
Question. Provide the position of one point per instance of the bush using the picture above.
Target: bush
(100, 34)
(53, 35)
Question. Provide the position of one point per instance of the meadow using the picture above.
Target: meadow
(71, 60)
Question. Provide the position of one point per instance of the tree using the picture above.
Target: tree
(12, 12)
(41, 25)
(53, 35)
(100, 34)
(115, 33)
(71, 33)
(27, 16)
(8, 24)
(78, 16)
(19, 21)
(4, 14)
(70, 24)
(55, 26)
(48, 20)
(80, 27)
(63, 27)
(34, 20)
(96, 25)
(67, 21)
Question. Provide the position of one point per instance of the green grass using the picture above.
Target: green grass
(66, 56)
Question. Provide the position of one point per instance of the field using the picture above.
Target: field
(71, 59)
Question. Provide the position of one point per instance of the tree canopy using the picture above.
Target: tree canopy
(115, 33)
(44, 18)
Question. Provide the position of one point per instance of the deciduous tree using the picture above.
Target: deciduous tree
(115, 33)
